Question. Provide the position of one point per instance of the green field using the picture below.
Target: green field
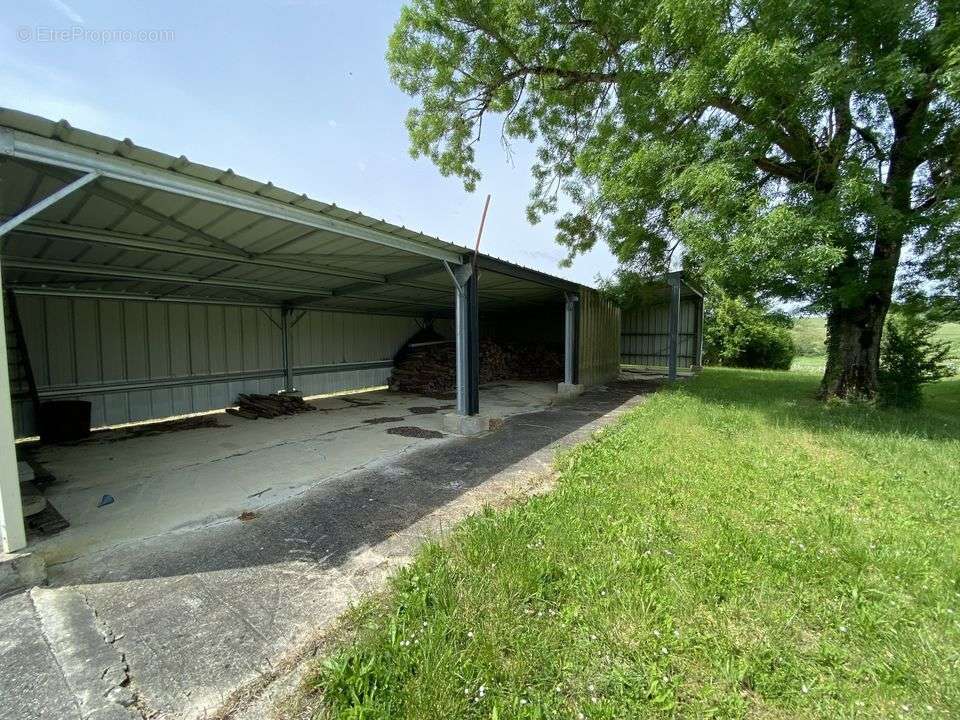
(730, 549)
(809, 334)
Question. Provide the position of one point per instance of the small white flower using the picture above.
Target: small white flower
(664, 651)
(804, 689)
(470, 634)
(590, 688)
(523, 701)
(843, 628)
(656, 633)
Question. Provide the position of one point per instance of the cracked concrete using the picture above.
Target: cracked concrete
(213, 619)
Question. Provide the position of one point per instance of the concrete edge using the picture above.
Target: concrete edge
(20, 570)
(568, 391)
(470, 424)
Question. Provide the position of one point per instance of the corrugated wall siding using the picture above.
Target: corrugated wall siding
(599, 339)
(645, 335)
(136, 360)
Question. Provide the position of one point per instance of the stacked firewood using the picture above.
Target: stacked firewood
(430, 369)
(255, 406)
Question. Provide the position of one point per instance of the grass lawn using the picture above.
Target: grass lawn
(810, 333)
(731, 549)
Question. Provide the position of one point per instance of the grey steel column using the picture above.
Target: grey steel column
(673, 328)
(570, 340)
(468, 340)
(698, 339)
(287, 359)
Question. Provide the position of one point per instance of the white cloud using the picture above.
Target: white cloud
(45, 91)
(72, 14)
(332, 123)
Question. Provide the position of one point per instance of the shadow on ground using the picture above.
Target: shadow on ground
(775, 395)
(335, 519)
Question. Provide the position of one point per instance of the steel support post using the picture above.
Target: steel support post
(673, 328)
(13, 534)
(698, 339)
(467, 308)
(287, 357)
(570, 340)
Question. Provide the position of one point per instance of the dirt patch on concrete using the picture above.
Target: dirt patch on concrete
(381, 420)
(414, 432)
(429, 409)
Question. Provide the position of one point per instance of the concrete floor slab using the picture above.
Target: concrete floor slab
(177, 480)
(212, 614)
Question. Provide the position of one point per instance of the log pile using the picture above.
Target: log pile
(430, 369)
(255, 406)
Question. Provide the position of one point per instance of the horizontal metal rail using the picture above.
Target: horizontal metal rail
(60, 391)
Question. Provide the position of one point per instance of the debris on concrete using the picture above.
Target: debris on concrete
(270, 406)
(170, 426)
(261, 492)
(381, 420)
(247, 516)
(359, 402)
(414, 432)
(45, 523)
(105, 500)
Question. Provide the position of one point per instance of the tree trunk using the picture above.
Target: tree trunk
(853, 351)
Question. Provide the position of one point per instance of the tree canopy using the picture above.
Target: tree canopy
(792, 149)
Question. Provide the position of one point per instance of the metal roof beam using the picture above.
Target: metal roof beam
(521, 273)
(176, 247)
(53, 152)
(134, 206)
(120, 273)
(42, 205)
(397, 277)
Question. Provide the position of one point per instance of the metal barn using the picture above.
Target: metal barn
(152, 286)
(664, 329)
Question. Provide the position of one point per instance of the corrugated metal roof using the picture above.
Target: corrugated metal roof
(119, 235)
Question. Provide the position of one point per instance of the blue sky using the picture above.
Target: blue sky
(293, 91)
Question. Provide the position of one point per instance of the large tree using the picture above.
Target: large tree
(793, 149)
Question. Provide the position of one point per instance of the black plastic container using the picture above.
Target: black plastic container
(64, 421)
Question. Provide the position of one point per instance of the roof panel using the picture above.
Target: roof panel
(169, 229)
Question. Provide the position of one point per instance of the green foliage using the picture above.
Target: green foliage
(910, 358)
(732, 549)
(737, 334)
(757, 136)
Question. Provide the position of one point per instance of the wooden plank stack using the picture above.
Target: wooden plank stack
(255, 406)
(431, 369)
